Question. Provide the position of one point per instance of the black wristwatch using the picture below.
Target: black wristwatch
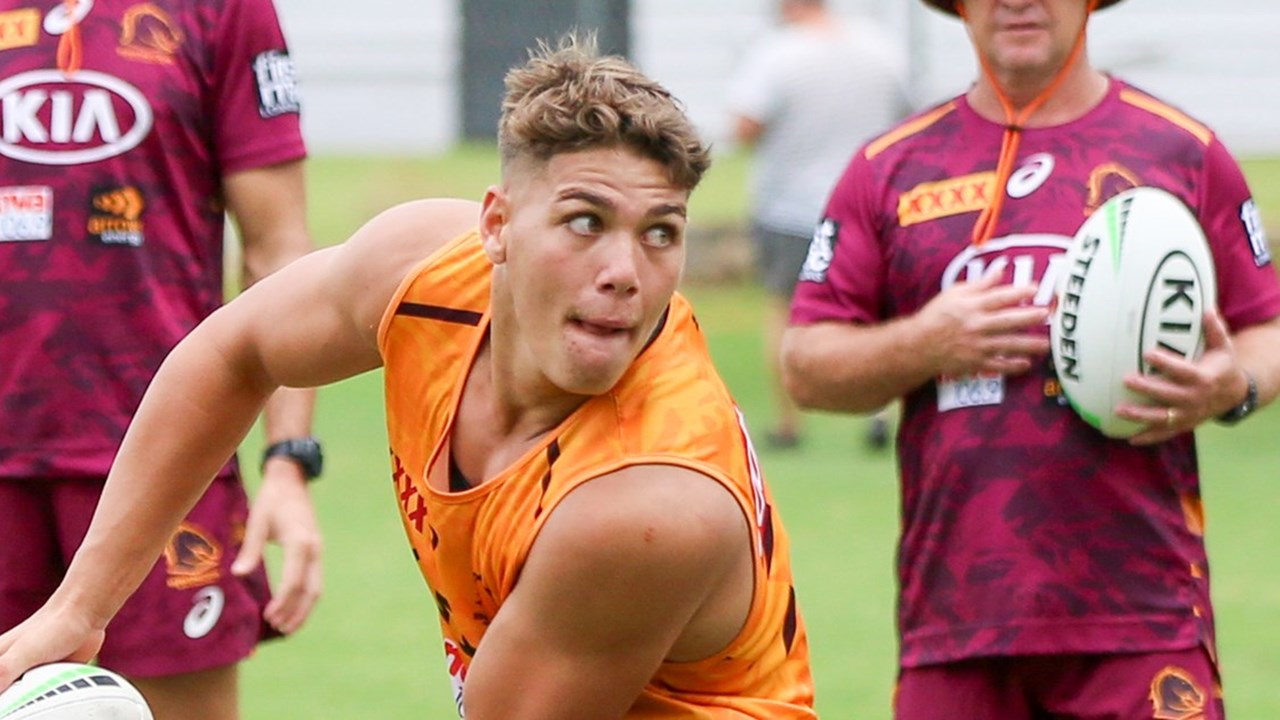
(1245, 408)
(304, 451)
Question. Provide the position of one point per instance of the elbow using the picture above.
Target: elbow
(798, 379)
(815, 378)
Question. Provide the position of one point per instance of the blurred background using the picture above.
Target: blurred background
(400, 102)
(393, 77)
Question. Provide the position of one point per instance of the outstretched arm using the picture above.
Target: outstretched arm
(311, 323)
(647, 564)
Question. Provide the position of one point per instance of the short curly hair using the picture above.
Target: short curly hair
(568, 98)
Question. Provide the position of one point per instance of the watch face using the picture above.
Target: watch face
(304, 451)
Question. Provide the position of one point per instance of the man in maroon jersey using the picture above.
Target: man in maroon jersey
(1045, 570)
(128, 127)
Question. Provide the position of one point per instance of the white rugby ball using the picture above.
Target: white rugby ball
(72, 691)
(1138, 275)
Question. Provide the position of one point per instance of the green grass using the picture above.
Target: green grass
(373, 647)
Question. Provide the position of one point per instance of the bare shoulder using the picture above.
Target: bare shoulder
(409, 232)
(660, 519)
(370, 265)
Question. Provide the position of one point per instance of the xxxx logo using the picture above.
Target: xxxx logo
(19, 28)
(954, 196)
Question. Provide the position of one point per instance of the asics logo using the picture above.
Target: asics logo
(205, 612)
(58, 22)
(1028, 178)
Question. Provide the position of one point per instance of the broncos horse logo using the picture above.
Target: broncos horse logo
(1175, 696)
(192, 558)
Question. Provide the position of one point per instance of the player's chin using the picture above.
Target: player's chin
(592, 368)
(594, 378)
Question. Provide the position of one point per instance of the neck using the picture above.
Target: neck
(520, 402)
(1081, 90)
(808, 16)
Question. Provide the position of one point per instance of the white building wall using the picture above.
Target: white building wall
(1218, 61)
(378, 76)
(381, 76)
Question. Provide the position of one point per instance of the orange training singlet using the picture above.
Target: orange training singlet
(670, 408)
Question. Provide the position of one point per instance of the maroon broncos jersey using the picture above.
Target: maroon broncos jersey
(111, 211)
(1024, 529)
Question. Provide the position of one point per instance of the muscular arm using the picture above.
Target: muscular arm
(973, 327)
(311, 323)
(646, 564)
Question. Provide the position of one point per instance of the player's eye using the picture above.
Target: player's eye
(661, 236)
(586, 224)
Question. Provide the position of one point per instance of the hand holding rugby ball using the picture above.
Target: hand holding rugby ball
(72, 691)
(1139, 275)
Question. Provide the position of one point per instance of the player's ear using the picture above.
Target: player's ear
(494, 215)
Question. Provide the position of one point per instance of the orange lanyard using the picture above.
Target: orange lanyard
(985, 227)
(70, 47)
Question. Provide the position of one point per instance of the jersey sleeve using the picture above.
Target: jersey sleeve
(843, 274)
(255, 90)
(1248, 288)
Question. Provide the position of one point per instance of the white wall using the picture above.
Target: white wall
(381, 76)
(378, 76)
(1218, 61)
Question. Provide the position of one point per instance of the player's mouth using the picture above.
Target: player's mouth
(603, 327)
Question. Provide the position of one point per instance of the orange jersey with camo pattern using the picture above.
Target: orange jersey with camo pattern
(670, 408)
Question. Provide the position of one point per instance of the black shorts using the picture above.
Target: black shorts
(779, 257)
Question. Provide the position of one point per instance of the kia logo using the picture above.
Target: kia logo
(47, 118)
(1173, 313)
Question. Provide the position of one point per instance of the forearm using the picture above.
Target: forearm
(288, 413)
(1258, 353)
(196, 411)
(844, 367)
(270, 209)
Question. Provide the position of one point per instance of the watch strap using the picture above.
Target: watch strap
(306, 452)
(1246, 406)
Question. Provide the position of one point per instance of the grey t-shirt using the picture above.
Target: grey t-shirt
(819, 93)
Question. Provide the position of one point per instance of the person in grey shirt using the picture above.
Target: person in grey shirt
(804, 99)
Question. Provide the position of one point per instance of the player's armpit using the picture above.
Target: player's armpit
(642, 565)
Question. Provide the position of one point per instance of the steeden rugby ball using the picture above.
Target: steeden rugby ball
(1138, 275)
(72, 691)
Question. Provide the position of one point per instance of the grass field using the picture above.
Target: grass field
(373, 650)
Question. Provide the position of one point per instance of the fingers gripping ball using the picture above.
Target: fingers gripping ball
(1138, 275)
(72, 691)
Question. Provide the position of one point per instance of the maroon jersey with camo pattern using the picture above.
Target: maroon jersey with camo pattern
(1025, 530)
(111, 211)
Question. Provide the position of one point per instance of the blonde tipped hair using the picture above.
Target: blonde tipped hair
(568, 98)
